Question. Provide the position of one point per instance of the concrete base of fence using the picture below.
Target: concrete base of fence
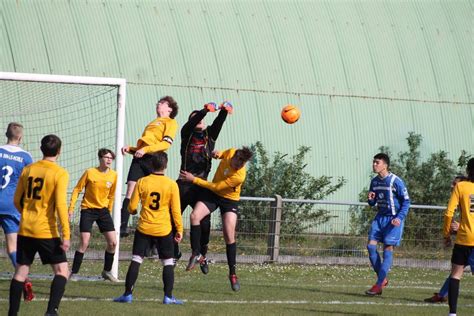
(264, 259)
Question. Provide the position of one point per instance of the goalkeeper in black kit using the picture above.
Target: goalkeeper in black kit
(197, 143)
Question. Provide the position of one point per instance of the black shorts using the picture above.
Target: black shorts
(99, 215)
(214, 201)
(142, 243)
(189, 194)
(140, 167)
(50, 250)
(461, 254)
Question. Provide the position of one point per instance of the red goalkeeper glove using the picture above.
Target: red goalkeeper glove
(226, 105)
(211, 106)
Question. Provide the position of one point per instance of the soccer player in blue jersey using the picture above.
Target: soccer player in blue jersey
(12, 161)
(389, 195)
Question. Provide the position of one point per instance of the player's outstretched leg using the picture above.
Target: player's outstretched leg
(440, 297)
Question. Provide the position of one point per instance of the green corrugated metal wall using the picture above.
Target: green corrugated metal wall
(363, 73)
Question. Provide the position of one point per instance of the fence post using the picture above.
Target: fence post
(273, 245)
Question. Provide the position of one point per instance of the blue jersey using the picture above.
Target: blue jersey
(12, 161)
(391, 196)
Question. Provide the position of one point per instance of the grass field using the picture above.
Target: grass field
(266, 290)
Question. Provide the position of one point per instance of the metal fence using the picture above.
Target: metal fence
(306, 232)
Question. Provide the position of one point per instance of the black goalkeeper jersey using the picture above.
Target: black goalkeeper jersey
(197, 146)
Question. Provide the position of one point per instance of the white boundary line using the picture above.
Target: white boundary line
(263, 302)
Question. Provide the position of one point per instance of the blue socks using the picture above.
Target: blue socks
(13, 258)
(443, 292)
(374, 258)
(386, 265)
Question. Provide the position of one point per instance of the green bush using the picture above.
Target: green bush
(286, 176)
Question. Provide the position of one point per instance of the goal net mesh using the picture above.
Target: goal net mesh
(83, 116)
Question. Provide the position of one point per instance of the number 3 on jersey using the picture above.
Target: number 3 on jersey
(6, 176)
(155, 202)
(34, 188)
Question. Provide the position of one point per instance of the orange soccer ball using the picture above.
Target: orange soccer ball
(290, 114)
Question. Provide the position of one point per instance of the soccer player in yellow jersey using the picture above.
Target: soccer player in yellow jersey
(159, 197)
(96, 206)
(462, 196)
(223, 193)
(40, 197)
(157, 136)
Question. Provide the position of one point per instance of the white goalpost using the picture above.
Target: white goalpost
(87, 113)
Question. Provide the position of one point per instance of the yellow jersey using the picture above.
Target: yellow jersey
(40, 197)
(159, 196)
(158, 135)
(100, 189)
(227, 182)
(462, 195)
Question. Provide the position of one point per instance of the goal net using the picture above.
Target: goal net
(86, 113)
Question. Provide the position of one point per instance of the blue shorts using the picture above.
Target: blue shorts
(470, 261)
(10, 223)
(383, 231)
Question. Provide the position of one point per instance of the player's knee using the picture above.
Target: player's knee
(137, 259)
(167, 262)
(111, 245)
(61, 269)
(371, 248)
(195, 218)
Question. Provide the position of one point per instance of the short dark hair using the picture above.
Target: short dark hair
(470, 170)
(173, 105)
(384, 157)
(244, 153)
(50, 145)
(14, 131)
(104, 151)
(159, 161)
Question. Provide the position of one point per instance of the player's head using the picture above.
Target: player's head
(201, 125)
(159, 161)
(14, 132)
(50, 145)
(470, 170)
(240, 157)
(380, 163)
(106, 156)
(167, 107)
